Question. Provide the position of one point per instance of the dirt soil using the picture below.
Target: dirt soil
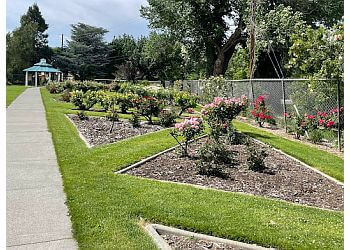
(96, 129)
(182, 242)
(284, 178)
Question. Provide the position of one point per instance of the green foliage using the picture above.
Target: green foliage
(65, 96)
(213, 87)
(318, 53)
(185, 100)
(126, 101)
(238, 67)
(167, 118)
(315, 136)
(54, 88)
(214, 152)
(148, 107)
(135, 120)
(86, 54)
(256, 157)
(83, 101)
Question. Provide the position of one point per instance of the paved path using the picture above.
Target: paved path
(36, 214)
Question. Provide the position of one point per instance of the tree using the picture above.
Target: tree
(28, 43)
(87, 53)
(126, 57)
(202, 25)
(164, 57)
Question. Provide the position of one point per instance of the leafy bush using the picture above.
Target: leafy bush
(220, 113)
(65, 96)
(148, 107)
(188, 130)
(112, 113)
(256, 157)
(212, 87)
(185, 100)
(86, 86)
(211, 169)
(83, 101)
(134, 89)
(315, 135)
(114, 87)
(135, 120)
(261, 113)
(54, 87)
(103, 98)
(214, 153)
(126, 101)
(167, 118)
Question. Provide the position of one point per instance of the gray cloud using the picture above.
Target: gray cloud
(117, 16)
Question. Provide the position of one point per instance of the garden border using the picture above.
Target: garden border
(155, 230)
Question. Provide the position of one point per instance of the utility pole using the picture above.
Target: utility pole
(62, 42)
(252, 44)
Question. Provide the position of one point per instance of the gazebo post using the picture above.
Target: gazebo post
(59, 77)
(49, 76)
(26, 78)
(36, 78)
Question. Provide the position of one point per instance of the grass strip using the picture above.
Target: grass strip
(12, 92)
(106, 208)
(328, 163)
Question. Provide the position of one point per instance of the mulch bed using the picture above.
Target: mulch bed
(183, 242)
(284, 179)
(96, 129)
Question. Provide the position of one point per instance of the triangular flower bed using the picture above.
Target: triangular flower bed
(285, 177)
(96, 130)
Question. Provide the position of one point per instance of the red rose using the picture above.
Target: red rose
(310, 117)
(261, 115)
(330, 124)
(320, 121)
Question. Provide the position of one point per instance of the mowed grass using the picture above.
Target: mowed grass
(106, 208)
(12, 92)
(328, 163)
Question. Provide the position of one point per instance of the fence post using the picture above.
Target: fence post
(284, 104)
(252, 89)
(338, 104)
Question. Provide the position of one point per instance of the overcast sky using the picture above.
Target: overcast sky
(117, 16)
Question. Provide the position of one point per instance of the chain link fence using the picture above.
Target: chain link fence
(303, 96)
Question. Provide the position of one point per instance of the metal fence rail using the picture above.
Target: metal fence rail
(284, 95)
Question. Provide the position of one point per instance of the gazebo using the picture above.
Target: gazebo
(45, 70)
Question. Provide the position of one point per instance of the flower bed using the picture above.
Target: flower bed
(96, 130)
(284, 178)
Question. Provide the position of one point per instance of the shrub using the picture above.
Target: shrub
(68, 85)
(65, 96)
(103, 98)
(54, 88)
(188, 129)
(256, 157)
(261, 113)
(114, 87)
(148, 107)
(83, 101)
(315, 135)
(215, 153)
(112, 113)
(185, 100)
(212, 87)
(167, 118)
(126, 101)
(220, 113)
(135, 120)
(86, 86)
(211, 169)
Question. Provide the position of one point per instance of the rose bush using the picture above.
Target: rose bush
(188, 129)
(260, 112)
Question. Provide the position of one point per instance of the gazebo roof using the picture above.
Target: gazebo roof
(42, 66)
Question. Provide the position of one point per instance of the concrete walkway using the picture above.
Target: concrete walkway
(36, 214)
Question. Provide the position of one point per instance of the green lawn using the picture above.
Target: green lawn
(107, 208)
(328, 163)
(12, 91)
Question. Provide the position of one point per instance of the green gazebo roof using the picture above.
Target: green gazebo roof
(42, 66)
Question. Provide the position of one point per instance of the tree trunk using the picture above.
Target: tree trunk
(225, 52)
